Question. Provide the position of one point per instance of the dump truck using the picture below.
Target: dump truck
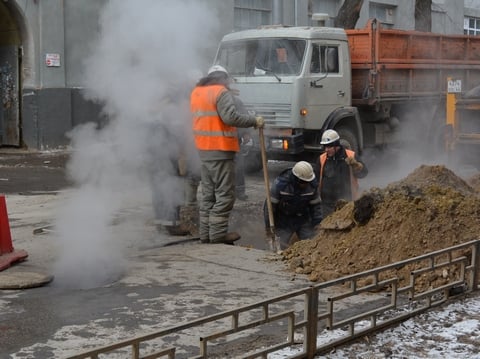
(375, 86)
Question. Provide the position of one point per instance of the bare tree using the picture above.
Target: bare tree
(423, 15)
(348, 14)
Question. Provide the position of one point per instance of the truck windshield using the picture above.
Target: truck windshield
(262, 57)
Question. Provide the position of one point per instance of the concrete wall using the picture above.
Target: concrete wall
(83, 29)
(295, 13)
(447, 16)
(52, 96)
(472, 8)
(48, 107)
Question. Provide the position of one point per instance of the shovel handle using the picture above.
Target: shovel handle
(267, 182)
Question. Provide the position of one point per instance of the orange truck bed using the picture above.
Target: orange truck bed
(397, 65)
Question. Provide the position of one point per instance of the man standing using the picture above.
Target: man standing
(215, 122)
(339, 170)
(164, 162)
(295, 203)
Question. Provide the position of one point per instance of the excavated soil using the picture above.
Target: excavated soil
(430, 209)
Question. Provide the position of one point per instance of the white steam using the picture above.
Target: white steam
(142, 68)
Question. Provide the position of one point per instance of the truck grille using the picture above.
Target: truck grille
(275, 115)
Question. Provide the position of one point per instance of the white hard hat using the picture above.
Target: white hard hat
(329, 136)
(304, 171)
(216, 68)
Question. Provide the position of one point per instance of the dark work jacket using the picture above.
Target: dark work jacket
(291, 202)
(336, 182)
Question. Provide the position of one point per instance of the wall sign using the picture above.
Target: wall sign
(52, 60)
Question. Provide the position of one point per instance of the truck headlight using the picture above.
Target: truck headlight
(279, 144)
(276, 144)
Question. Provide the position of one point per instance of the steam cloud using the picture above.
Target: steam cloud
(142, 69)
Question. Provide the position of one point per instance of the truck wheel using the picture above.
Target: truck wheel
(347, 138)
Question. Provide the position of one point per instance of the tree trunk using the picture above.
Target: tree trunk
(348, 14)
(423, 15)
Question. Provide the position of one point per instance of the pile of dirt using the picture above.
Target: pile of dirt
(430, 209)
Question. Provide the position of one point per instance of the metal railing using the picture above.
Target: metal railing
(355, 306)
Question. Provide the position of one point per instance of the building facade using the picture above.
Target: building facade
(43, 44)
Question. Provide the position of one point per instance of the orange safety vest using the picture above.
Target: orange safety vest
(353, 180)
(210, 132)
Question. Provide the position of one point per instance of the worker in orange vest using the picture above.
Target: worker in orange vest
(215, 122)
(339, 170)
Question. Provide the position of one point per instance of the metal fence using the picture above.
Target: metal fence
(346, 308)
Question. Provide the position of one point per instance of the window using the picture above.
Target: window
(262, 57)
(471, 26)
(324, 59)
(384, 13)
(249, 14)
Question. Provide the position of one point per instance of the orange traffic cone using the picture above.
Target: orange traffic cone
(7, 254)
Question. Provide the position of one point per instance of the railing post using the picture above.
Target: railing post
(136, 350)
(476, 263)
(311, 313)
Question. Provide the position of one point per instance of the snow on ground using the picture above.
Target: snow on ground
(450, 331)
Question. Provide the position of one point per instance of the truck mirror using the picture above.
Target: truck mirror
(332, 59)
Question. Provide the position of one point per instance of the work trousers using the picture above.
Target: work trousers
(218, 198)
(286, 226)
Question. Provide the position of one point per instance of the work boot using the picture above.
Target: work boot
(178, 230)
(229, 238)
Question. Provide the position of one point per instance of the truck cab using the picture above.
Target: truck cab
(298, 79)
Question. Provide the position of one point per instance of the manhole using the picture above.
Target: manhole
(23, 280)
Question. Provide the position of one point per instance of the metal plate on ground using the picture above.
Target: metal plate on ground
(23, 280)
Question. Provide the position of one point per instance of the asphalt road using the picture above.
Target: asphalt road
(32, 172)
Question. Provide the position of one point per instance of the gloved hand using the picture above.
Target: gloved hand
(357, 166)
(350, 161)
(260, 122)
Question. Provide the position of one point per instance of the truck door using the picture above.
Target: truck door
(9, 110)
(328, 82)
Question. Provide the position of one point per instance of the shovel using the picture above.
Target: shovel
(273, 242)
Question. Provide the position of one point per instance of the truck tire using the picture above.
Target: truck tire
(348, 139)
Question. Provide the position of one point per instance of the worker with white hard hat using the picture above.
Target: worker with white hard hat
(340, 168)
(295, 203)
(215, 122)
